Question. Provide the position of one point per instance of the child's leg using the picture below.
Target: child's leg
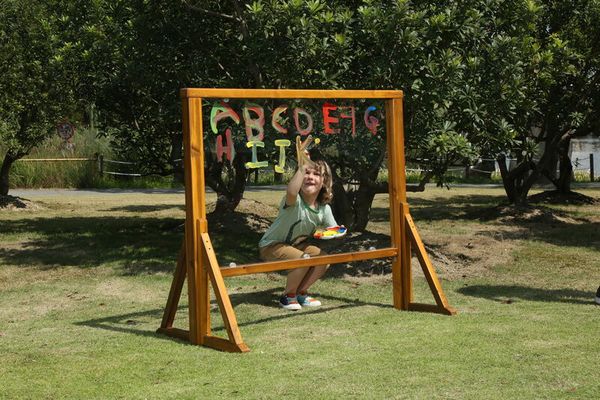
(294, 279)
(282, 251)
(314, 273)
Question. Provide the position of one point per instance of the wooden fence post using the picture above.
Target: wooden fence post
(101, 164)
(591, 167)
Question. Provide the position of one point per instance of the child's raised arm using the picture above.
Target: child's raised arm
(293, 187)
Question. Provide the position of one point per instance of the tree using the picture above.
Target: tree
(452, 59)
(138, 55)
(562, 78)
(35, 90)
(471, 71)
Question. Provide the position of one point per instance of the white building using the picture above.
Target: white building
(580, 151)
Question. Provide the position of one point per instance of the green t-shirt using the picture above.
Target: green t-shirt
(296, 221)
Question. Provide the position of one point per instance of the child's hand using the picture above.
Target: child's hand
(302, 152)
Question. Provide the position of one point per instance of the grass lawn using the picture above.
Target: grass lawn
(84, 279)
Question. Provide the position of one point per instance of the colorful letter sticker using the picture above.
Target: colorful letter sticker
(370, 121)
(303, 131)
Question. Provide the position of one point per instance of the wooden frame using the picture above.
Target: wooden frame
(198, 262)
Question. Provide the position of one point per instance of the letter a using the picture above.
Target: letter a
(219, 112)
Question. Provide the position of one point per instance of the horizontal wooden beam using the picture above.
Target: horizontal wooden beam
(224, 345)
(270, 266)
(289, 94)
(431, 308)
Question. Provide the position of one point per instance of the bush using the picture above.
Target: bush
(69, 174)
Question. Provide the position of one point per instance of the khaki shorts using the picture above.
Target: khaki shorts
(282, 251)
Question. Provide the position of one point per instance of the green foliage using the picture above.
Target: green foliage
(559, 73)
(458, 63)
(38, 83)
(447, 148)
(477, 75)
(34, 80)
(62, 174)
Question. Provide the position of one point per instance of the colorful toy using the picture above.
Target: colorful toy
(331, 232)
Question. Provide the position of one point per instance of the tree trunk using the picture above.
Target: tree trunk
(342, 204)
(353, 208)
(420, 187)
(507, 182)
(177, 156)
(277, 177)
(563, 183)
(229, 195)
(362, 207)
(518, 181)
(9, 159)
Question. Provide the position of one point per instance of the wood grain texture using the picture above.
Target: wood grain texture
(231, 93)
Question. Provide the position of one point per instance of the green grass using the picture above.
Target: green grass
(74, 174)
(83, 284)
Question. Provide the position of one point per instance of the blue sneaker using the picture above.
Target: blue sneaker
(306, 301)
(289, 303)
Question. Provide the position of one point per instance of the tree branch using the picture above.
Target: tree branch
(245, 35)
(209, 12)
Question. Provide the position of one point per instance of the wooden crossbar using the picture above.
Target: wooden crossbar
(289, 94)
(308, 262)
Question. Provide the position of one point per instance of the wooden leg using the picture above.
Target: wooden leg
(204, 294)
(397, 282)
(198, 286)
(405, 258)
(175, 292)
(397, 260)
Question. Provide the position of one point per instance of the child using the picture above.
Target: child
(304, 208)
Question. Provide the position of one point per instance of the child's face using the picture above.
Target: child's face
(313, 182)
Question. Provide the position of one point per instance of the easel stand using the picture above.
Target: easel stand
(197, 260)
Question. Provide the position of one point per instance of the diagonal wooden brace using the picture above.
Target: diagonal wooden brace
(430, 274)
(235, 343)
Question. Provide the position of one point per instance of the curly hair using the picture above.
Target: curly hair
(326, 194)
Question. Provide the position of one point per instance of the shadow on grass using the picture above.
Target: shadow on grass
(134, 244)
(126, 323)
(573, 232)
(142, 208)
(270, 298)
(508, 294)
(146, 244)
(559, 233)
(465, 207)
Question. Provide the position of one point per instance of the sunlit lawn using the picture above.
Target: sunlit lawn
(83, 285)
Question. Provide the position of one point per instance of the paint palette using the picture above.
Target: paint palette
(332, 232)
